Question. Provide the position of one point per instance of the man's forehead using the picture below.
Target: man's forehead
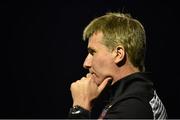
(96, 38)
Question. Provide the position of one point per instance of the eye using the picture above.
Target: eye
(91, 51)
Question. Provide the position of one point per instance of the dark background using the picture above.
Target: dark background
(45, 52)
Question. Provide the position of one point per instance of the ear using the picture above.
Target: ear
(119, 54)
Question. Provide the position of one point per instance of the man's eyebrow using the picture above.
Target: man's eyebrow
(90, 50)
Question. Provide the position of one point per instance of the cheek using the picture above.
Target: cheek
(102, 64)
(102, 69)
(99, 62)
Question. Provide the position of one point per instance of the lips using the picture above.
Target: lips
(94, 77)
(91, 71)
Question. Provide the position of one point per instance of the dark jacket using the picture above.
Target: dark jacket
(132, 97)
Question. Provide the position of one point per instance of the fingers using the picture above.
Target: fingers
(88, 75)
(104, 84)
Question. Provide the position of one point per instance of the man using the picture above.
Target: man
(115, 61)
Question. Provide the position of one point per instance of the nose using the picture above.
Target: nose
(88, 62)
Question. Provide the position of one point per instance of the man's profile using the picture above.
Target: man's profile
(116, 55)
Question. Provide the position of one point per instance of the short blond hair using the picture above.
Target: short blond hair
(121, 29)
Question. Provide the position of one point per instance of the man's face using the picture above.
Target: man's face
(99, 60)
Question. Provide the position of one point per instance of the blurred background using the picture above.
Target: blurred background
(45, 52)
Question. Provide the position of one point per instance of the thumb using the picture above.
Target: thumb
(106, 82)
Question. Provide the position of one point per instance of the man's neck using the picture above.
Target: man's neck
(124, 71)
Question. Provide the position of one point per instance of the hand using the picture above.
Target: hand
(85, 90)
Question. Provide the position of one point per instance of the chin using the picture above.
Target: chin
(98, 82)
